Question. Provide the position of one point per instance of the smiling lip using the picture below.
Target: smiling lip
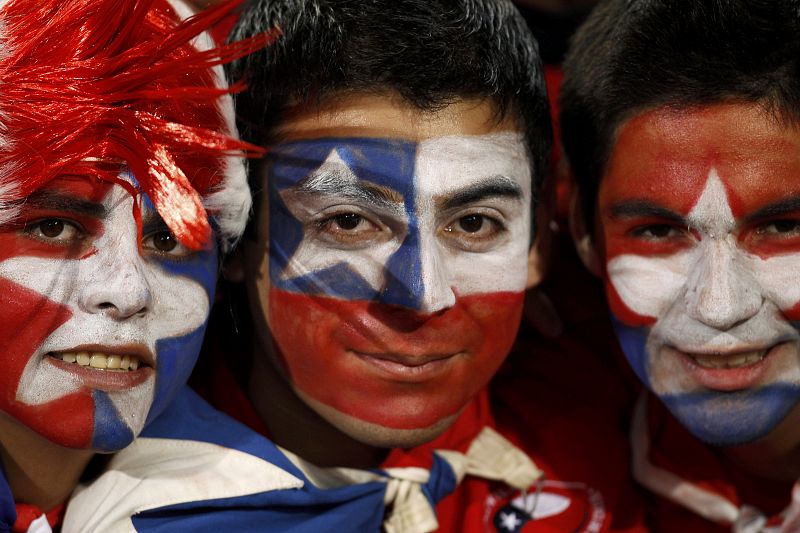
(140, 365)
(409, 368)
(728, 370)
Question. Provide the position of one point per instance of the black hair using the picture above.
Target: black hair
(636, 55)
(431, 52)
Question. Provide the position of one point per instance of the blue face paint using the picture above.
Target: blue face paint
(388, 164)
(111, 433)
(633, 341)
(719, 418)
(175, 356)
(733, 418)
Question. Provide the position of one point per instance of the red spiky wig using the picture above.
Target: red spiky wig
(89, 87)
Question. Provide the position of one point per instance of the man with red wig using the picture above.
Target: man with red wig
(122, 183)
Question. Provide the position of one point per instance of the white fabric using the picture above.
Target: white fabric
(40, 525)
(490, 456)
(709, 505)
(153, 473)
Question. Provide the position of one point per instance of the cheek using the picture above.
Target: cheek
(317, 339)
(27, 318)
(186, 290)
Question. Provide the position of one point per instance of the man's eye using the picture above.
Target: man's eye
(349, 229)
(781, 228)
(348, 222)
(474, 232)
(54, 230)
(163, 242)
(657, 232)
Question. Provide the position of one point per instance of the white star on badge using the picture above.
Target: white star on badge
(510, 521)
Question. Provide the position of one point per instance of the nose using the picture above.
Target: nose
(417, 278)
(119, 290)
(721, 292)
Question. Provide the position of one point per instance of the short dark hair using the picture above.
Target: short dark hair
(635, 55)
(431, 52)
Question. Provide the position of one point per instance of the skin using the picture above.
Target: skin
(698, 242)
(364, 409)
(77, 279)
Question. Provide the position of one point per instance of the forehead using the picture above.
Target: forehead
(390, 116)
(666, 156)
(435, 165)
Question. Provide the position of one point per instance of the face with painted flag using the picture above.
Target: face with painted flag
(99, 327)
(699, 224)
(397, 259)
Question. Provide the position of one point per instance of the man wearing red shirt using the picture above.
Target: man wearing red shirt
(679, 122)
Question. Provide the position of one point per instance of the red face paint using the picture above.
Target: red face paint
(348, 354)
(26, 320)
(663, 158)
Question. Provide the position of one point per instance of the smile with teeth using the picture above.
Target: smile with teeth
(100, 361)
(723, 360)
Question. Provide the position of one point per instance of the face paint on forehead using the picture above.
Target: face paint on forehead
(397, 269)
(135, 312)
(705, 291)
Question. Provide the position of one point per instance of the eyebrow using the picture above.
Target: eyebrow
(643, 208)
(784, 207)
(60, 202)
(494, 187)
(341, 185)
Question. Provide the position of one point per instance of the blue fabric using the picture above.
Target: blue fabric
(354, 508)
(8, 509)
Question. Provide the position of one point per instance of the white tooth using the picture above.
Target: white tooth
(705, 362)
(98, 360)
(125, 363)
(735, 361)
(113, 362)
(83, 358)
(134, 362)
(755, 357)
(68, 357)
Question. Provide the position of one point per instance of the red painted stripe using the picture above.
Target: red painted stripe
(27, 318)
(318, 339)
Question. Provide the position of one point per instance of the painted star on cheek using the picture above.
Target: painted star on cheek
(117, 299)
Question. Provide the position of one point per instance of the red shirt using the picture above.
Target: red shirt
(674, 449)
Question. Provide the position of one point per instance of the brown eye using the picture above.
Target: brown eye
(347, 222)
(51, 228)
(471, 223)
(55, 231)
(164, 242)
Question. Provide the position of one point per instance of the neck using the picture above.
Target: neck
(296, 427)
(776, 456)
(38, 471)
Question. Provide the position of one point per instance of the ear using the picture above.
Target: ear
(584, 241)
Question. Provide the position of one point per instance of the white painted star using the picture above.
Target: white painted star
(510, 521)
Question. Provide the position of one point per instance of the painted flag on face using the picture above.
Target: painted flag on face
(397, 269)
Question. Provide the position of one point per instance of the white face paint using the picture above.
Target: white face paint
(712, 298)
(702, 243)
(399, 212)
(136, 314)
(397, 269)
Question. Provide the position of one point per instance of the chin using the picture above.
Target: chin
(378, 435)
(733, 418)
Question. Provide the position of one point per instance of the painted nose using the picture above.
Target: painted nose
(721, 292)
(119, 291)
(416, 277)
